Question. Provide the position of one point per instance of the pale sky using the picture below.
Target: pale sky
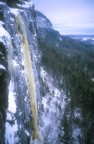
(68, 12)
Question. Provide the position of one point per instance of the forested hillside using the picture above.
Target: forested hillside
(71, 64)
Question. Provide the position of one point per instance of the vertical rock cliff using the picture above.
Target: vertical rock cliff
(18, 62)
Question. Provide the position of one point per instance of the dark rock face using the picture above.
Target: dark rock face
(3, 89)
(2, 127)
(1, 14)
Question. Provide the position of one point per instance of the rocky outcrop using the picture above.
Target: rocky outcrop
(4, 76)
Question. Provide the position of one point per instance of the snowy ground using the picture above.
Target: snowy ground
(11, 123)
(53, 104)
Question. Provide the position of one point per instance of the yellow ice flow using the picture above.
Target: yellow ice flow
(21, 30)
